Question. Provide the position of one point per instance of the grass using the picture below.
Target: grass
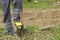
(55, 33)
(32, 5)
(34, 33)
(40, 5)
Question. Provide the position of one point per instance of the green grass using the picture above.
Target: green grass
(55, 32)
(32, 5)
(34, 33)
(0, 7)
(40, 5)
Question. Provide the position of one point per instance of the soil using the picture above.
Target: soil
(38, 17)
(42, 18)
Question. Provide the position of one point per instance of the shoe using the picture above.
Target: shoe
(9, 32)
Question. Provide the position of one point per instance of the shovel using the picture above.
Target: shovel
(21, 16)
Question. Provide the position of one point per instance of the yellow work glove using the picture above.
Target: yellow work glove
(18, 24)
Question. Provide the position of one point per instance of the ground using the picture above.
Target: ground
(40, 19)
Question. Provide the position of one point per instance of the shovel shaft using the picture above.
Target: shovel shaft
(22, 13)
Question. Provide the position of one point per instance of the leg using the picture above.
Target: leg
(7, 16)
(17, 8)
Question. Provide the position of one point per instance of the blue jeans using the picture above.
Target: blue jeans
(6, 13)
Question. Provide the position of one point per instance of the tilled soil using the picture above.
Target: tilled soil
(42, 18)
(39, 17)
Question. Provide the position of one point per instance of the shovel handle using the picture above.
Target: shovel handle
(21, 11)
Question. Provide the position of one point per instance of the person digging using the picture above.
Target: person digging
(7, 17)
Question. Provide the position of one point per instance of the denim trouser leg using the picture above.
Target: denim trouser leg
(7, 16)
(17, 8)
